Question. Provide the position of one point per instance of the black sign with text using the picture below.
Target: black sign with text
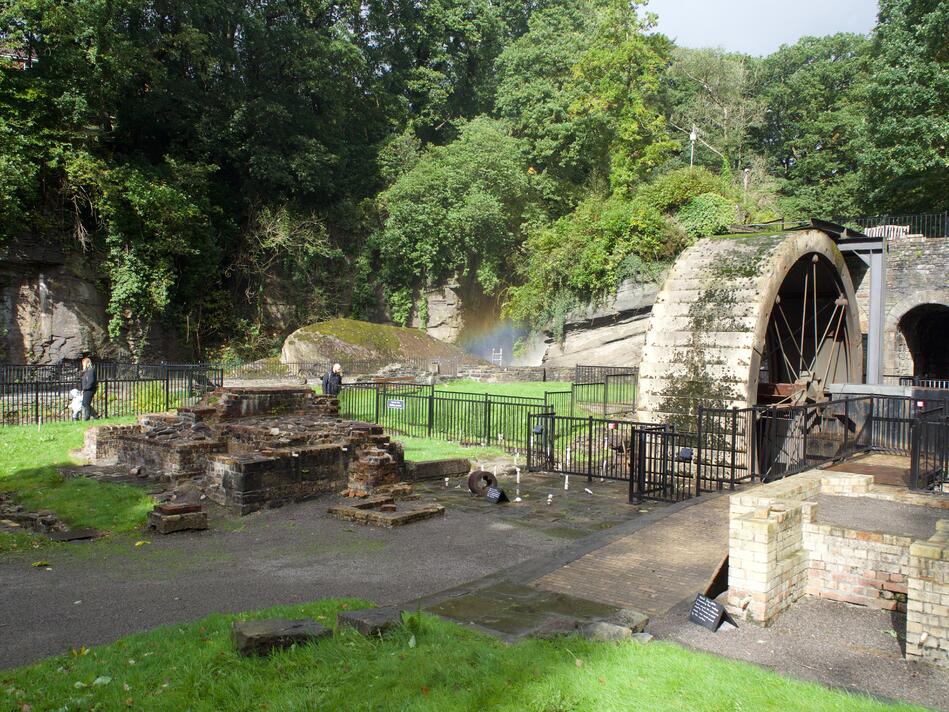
(709, 614)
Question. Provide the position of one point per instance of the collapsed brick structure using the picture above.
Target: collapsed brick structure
(249, 448)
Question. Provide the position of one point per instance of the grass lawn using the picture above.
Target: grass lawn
(427, 664)
(422, 449)
(531, 389)
(27, 469)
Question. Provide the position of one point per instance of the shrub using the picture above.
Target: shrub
(706, 214)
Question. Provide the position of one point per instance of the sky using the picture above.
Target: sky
(759, 27)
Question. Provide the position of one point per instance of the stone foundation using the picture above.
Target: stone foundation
(779, 552)
(253, 448)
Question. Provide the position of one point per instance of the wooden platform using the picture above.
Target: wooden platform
(885, 469)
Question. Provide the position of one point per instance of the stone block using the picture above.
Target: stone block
(554, 626)
(169, 523)
(605, 632)
(642, 638)
(630, 618)
(261, 636)
(370, 621)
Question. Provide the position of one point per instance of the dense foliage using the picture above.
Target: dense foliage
(235, 169)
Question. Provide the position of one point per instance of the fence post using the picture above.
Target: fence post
(487, 419)
(167, 386)
(734, 444)
(698, 452)
(590, 450)
(846, 425)
(752, 444)
(380, 398)
(431, 411)
(606, 390)
(36, 403)
(105, 408)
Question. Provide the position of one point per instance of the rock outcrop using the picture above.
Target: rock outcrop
(609, 334)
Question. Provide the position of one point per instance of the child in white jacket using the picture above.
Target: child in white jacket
(75, 405)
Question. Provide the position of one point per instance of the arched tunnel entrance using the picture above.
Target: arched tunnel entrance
(926, 331)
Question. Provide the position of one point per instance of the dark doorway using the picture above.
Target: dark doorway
(926, 330)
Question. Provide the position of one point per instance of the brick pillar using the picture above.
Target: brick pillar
(767, 565)
(927, 614)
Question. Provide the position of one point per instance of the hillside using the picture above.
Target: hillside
(362, 340)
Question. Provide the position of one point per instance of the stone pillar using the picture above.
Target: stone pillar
(767, 567)
(927, 615)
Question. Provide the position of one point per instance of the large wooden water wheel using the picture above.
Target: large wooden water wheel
(751, 320)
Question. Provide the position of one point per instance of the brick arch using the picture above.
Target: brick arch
(892, 336)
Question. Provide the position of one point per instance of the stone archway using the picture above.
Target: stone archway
(916, 336)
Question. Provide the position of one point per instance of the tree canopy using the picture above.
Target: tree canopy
(353, 155)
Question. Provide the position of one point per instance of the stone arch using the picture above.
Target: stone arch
(895, 347)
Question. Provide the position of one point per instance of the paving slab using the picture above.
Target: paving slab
(654, 568)
(260, 637)
(879, 515)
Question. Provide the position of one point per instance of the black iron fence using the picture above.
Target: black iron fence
(929, 461)
(655, 459)
(597, 374)
(121, 392)
(418, 410)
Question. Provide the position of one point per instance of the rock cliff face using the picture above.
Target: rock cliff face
(50, 307)
(610, 334)
(445, 319)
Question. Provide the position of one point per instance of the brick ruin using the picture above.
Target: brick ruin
(781, 551)
(250, 448)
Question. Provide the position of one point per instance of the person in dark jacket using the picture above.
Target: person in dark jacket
(89, 385)
(333, 381)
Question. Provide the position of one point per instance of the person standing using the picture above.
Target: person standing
(89, 385)
(333, 381)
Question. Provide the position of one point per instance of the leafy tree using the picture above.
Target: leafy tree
(618, 79)
(536, 93)
(810, 128)
(458, 210)
(709, 89)
(904, 156)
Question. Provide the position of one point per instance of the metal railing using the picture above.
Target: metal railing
(929, 460)
(597, 374)
(418, 410)
(119, 394)
(928, 224)
(925, 382)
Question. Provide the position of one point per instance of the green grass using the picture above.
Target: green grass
(28, 460)
(532, 389)
(426, 664)
(423, 449)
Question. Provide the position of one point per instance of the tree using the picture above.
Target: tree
(810, 129)
(709, 89)
(618, 83)
(535, 95)
(458, 210)
(904, 154)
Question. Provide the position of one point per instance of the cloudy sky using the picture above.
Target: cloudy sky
(759, 26)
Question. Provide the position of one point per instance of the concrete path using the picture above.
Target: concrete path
(654, 568)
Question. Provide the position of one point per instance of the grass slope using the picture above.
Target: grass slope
(533, 389)
(28, 459)
(427, 664)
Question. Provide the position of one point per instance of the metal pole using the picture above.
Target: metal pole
(734, 442)
(590, 450)
(698, 454)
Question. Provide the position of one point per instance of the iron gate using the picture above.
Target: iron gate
(656, 460)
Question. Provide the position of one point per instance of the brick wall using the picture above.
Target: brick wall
(927, 617)
(779, 552)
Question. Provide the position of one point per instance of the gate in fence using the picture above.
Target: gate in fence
(653, 458)
(929, 461)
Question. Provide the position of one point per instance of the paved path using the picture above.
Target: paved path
(654, 568)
